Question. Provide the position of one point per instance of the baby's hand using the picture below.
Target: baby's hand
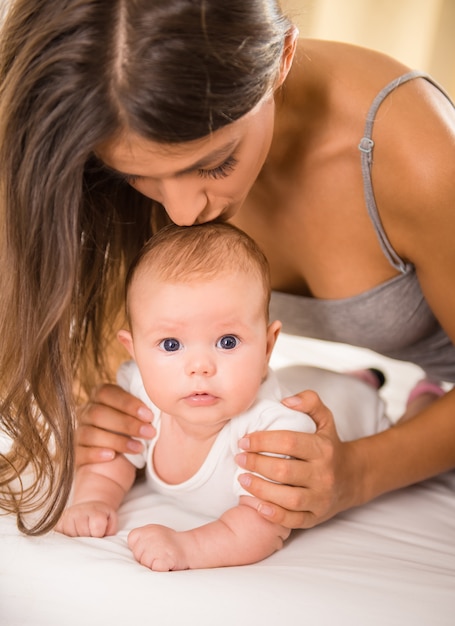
(159, 548)
(88, 519)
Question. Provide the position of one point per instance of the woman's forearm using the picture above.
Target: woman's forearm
(410, 451)
(323, 476)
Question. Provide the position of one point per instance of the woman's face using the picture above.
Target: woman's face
(200, 180)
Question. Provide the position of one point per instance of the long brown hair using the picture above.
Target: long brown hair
(74, 74)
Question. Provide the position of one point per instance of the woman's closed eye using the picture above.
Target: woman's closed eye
(130, 179)
(221, 171)
(215, 173)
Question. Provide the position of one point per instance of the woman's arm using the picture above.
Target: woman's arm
(414, 182)
(327, 476)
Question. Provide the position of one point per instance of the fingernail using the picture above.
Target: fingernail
(134, 446)
(240, 459)
(147, 431)
(266, 510)
(292, 401)
(245, 480)
(244, 443)
(107, 455)
(145, 414)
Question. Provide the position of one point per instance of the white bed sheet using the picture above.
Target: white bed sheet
(391, 562)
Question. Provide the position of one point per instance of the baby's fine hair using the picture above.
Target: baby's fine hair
(179, 254)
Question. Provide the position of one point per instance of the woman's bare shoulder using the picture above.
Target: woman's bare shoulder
(413, 175)
(335, 83)
(332, 59)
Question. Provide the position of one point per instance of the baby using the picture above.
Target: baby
(197, 302)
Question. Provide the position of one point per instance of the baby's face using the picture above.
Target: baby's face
(202, 347)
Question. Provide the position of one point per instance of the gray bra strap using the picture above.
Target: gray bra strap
(366, 146)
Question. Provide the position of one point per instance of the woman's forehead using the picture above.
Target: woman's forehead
(129, 149)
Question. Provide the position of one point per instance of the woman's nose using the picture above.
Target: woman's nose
(184, 202)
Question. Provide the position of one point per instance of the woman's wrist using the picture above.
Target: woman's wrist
(357, 482)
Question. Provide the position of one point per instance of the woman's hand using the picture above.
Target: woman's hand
(109, 423)
(319, 480)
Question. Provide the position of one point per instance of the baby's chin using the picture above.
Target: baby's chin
(203, 410)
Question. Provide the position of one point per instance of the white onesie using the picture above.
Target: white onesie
(214, 488)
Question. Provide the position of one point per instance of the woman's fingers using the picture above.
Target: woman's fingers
(111, 422)
(91, 436)
(285, 470)
(306, 474)
(310, 403)
(304, 446)
(292, 507)
(115, 397)
(106, 418)
(87, 455)
(299, 500)
(281, 504)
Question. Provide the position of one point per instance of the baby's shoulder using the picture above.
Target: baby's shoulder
(129, 378)
(268, 414)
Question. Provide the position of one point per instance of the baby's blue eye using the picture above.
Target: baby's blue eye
(170, 345)
(227, 342)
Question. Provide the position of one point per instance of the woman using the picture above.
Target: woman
(113, 111)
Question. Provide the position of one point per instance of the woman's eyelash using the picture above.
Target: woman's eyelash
(127, 178)
(123, 178)
(130, 179)
(216, 173)
(221, 171)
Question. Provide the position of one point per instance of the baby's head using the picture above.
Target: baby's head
(199, 253)
(197, 302)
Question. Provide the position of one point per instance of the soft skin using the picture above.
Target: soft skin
(203, 349)
(307, 210)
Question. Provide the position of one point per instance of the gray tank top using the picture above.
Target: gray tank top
(393, 318)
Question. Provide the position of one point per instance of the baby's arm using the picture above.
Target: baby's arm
(240, 536)
(98, 492)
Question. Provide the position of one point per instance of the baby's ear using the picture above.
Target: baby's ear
(126, 339)
(273, 331)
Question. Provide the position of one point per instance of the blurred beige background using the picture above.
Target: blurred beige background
(420, 33)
